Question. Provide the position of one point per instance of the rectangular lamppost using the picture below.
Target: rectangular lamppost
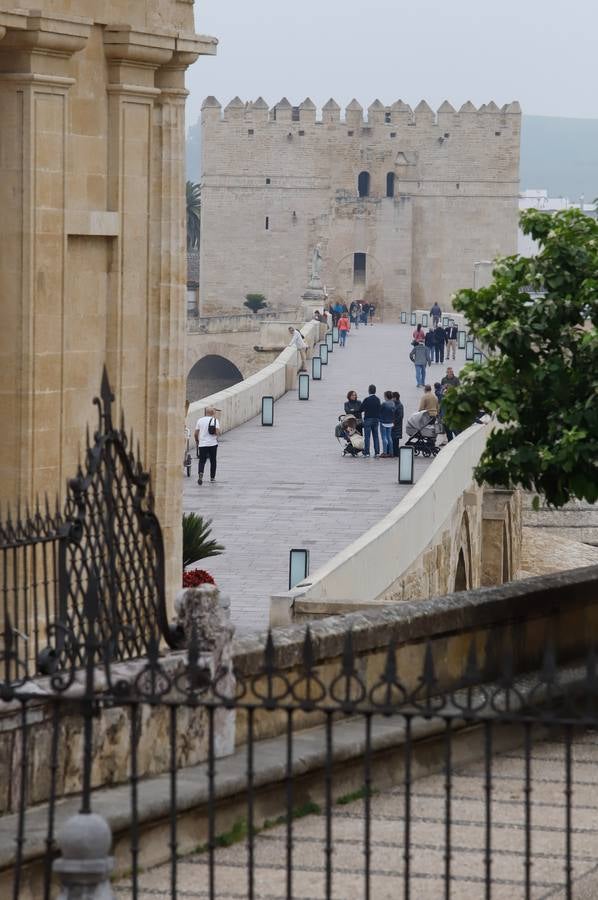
(316, 367)
(413, 319)
(477, 356)
(425, 320)
(329, 342)
(267, 410)
(324, 353)
(469, 350)
(461, 336)
(335, 334)
(445, 321)
(303, 386)
(298, 566)
(405, 465)
(403, 318)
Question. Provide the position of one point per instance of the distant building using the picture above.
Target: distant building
(539, 199)
(396, 205)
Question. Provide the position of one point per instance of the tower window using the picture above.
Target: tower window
(363, 184)
(393, 134)
(267, 181)
(267, 223)
(387, 118)
(358, 268)
(390, 184)
(295, 116)
(350, 133)
(250, 132)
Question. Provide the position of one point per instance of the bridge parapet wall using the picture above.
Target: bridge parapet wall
(431, 543)
(243, 401)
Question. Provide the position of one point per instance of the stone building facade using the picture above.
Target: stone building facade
(92, 243)
(403, 203)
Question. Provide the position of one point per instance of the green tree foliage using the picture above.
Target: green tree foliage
(196, 539)
(255, 302)
(193, 215)
(541, 377)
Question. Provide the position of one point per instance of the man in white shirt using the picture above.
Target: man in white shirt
(206, 437)
(299, 344)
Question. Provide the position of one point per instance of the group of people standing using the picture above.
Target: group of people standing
(428, 348)
(358, 313)
(381, 420)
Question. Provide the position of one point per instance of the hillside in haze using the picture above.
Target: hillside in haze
(560, 155)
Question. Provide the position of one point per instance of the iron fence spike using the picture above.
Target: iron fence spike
(269, 652)
(348, 655)
(428, 677)
(390, 668)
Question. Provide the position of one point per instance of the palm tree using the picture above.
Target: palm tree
(197, 542)
(193, 215)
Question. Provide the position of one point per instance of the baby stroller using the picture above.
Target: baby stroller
(421, 428)
(348, 434)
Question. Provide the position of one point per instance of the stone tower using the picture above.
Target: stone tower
(402, 201)
(92, 244)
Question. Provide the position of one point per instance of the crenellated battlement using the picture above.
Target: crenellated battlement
(377, 114)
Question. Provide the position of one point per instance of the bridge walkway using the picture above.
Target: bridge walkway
(288, 486)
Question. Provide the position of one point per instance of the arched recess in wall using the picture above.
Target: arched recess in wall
(210, 374)
(363, 184)
(463, 569)
(390, 184)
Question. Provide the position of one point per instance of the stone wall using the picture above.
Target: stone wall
(92, 244)
(276, 182)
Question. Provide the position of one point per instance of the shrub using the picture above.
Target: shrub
(255, 302)
(196, 539)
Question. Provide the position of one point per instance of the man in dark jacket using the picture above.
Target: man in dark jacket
(439, 339)
(397, 426)
(370, 410)
(436, 313)
(430, 343)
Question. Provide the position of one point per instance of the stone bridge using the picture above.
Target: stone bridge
(370, 539)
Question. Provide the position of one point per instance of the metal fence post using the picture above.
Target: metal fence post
(85, 866)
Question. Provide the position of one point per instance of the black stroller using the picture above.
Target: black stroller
(348, 434)
(421, 428)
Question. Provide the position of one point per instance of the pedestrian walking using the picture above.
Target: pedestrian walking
(372, 311)
(343, 330)
(430, 343)
(397, 425)
(365, 311)
(439, 340)
(436, 314)
(428, 401)
(419, 360)
(387, 415)
(451, 332)
(419, 334)
(207, 431)
(370, 410)
(299, 344)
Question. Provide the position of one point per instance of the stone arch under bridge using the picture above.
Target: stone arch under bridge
(217, 368)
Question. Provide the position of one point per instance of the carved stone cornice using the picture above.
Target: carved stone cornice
(171, 76)
(32, 42)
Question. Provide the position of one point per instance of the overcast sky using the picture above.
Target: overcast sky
(540, 52)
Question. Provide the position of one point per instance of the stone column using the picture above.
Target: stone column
(35, 77)
(497, 565)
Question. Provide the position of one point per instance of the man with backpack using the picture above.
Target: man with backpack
(206, 434)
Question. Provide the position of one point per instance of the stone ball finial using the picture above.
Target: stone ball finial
(85, 836)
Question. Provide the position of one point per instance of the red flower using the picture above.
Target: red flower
(196, 577)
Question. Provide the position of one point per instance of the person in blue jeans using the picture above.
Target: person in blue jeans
(387, 415)
(418, 357)
(370, 410)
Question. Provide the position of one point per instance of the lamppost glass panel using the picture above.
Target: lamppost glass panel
(267, 410)
(477, 356)
(316, 367)
(405, 465)
(445, 321)
(403, 318)
(298, 567)
(324, 353)
(461, 337)
(335, 334)
(329, 342)
(469, 350)
(303, 386)
(413, 319)
(425, 320)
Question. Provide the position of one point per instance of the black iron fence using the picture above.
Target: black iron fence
(105, 539)
(482, 791)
